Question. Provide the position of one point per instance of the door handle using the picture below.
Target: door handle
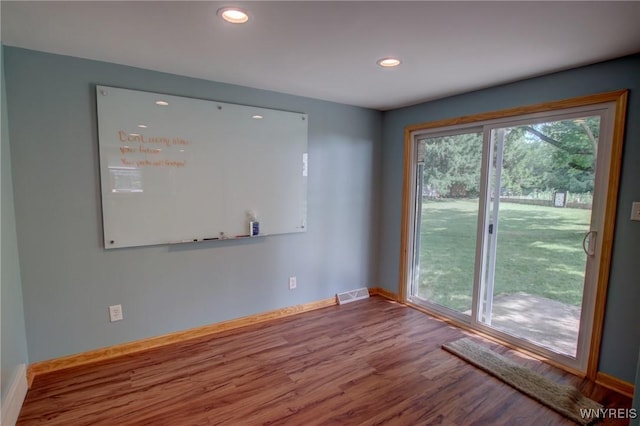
(589, 249)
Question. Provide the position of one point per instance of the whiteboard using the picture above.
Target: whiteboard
(176, 169)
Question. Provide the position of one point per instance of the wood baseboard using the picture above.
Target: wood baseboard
(615, 384)
(115, 351)
(15, 397)
(384, 293)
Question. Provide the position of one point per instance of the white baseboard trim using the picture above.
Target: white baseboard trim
(15, 397)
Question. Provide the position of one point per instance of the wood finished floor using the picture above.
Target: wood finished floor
(371, 362)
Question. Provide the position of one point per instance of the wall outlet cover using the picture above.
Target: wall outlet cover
(635, 210)
(115, 313)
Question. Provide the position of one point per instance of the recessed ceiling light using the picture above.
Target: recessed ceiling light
(235, 15)
(142, 126)
(388, 62)
(162, 103)
(257, 116)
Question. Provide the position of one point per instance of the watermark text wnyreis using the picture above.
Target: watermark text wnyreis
(608, 413)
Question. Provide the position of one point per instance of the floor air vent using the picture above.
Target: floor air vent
(353, 295)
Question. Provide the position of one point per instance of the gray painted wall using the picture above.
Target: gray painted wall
(69, 280)
(621, 333)
(14, 340)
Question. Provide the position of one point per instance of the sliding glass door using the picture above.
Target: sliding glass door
(542, 178)
(448, 188)
(505, 227)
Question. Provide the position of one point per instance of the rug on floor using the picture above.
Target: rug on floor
(566, 400)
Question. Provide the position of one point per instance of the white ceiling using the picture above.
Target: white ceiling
(327, 50)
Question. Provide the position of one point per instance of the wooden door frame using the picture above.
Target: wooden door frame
(620, 99)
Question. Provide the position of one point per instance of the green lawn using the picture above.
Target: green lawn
(539, 252)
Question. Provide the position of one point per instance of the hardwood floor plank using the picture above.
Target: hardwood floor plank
(373, 362)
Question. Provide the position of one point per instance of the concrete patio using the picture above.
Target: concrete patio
(538, 319)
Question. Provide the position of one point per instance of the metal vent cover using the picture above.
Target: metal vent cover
(352, 295)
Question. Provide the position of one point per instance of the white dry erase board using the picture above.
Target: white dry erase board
(176, 169)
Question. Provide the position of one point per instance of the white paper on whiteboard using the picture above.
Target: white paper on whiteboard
(304, 164)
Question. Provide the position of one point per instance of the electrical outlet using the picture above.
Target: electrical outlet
(292, 283)
(635, 210)
(115, 313)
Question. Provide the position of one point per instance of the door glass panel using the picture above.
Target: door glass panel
(448, 185)
(538, 213)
